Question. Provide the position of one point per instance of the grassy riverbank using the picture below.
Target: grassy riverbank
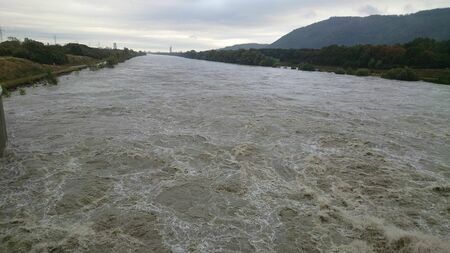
(29, 61)
(15, 71)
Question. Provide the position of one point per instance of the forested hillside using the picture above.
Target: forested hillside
(376, 30)
(245, 46)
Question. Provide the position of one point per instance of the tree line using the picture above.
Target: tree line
(56, 54)
(420, 53)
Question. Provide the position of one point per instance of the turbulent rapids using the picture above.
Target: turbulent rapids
(168, 154)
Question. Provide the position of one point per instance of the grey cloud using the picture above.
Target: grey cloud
(185, 24)
(369, 10)
(409, 8)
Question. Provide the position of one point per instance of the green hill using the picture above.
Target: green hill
(245, 46)
(376, 30)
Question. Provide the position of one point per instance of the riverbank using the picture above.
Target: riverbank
(29, 61)
(438, 76)
(421, 59)
(15, 72)
(29, 72)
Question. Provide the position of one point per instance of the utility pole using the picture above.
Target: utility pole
(170, 50)
(1, 35)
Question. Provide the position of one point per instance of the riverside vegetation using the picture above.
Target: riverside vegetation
(28, 61)
(421, 59)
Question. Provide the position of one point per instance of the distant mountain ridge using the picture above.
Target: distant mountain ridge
(245, 46)
(376, 29)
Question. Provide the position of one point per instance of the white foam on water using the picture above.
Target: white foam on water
(171, 154)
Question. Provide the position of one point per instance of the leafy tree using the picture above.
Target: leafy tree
(405, 74)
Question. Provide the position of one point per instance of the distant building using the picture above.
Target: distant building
(170, 49)
(115, 45)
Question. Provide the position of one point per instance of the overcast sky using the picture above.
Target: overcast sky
(184, 24)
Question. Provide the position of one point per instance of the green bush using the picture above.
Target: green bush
(350, 71)
(22, 91)
(404, 74)
(111, 61)
(339, 71)
(307, 67)
(444, 79)
(362, 72)
(6, 92)
(268, 62)
(51, 78)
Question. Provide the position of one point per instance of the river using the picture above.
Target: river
(168, 154)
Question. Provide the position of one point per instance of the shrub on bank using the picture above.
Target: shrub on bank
(111, 61)
(307, 67)
(444, 79)
(404, 74)
(339, 71)
(268, 62)
(350, 71)
(362, 72)
(51, 78)
(22, 91)
(6, 92)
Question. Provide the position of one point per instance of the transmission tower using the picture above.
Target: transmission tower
(1, 34)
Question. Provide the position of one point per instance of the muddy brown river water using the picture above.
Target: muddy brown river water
(166, 154)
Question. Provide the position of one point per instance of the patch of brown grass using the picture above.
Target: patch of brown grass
(14, 68)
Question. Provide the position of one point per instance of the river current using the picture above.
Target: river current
(168, 154)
